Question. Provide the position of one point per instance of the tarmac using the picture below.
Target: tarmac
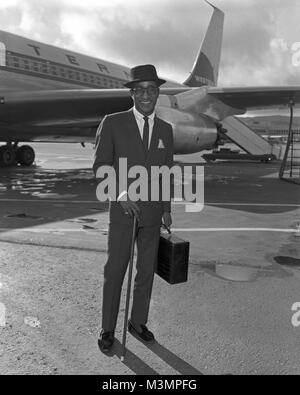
(237, 314)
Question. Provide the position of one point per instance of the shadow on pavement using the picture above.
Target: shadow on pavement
(241, 273)
(247, 186)
(173, 360)
(37, 196)
(288, 261)
(132, 361)
(139, 367)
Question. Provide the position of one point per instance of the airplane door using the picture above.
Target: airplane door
(2, 54)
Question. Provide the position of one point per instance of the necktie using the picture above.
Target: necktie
(146, 133)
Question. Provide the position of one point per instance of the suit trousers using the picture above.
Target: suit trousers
(119, 247)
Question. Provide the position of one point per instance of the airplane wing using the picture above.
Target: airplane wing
(60, 115)
(248, 98)
(73, 115)
(219, 103)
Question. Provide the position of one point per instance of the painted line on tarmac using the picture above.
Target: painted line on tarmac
(64, 230)
(174, 203)
(49, 230)
(242, 204)
(51, 201)
(234, 230)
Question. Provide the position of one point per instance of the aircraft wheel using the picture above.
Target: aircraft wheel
(25, 155)
(7, 156)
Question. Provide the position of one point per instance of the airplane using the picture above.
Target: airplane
(48, 94)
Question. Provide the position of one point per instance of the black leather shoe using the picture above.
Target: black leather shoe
(145, 335)
(106, 341)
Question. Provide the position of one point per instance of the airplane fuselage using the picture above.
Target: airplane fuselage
(29, 65)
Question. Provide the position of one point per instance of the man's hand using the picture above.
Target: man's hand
(130, 208)
(167, 219)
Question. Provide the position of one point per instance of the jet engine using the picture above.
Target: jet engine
(192, 132)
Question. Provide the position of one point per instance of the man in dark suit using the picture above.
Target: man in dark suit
(144, 140)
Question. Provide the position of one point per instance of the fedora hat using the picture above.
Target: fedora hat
(145, 72)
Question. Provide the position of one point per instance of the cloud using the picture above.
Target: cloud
(8, 3)
(255, 52)
(258, 34)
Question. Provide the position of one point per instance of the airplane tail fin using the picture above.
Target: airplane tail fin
(206, 67)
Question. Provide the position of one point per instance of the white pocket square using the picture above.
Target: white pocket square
(161, 144)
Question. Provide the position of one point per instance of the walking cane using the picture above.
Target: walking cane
(128, 288)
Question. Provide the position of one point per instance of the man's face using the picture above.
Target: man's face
(145, 95)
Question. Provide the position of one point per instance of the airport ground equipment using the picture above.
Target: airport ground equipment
(244, 137)
(229, 154)
(290, 166)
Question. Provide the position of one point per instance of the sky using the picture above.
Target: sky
(258, 40)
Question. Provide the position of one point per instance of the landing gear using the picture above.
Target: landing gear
(25, 155)
(7, 156)
(12, 154)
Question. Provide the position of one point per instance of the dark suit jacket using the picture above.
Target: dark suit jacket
(118, 137)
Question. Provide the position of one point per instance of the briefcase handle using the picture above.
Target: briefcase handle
(165, 226)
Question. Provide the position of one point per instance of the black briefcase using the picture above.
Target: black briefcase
(173, 258)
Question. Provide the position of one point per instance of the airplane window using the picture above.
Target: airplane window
(53, 70)
(35, 66)
(26, 64)
(16, 62)
(44, 69)
(2, 54)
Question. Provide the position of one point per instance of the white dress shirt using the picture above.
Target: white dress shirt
(140, 122)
